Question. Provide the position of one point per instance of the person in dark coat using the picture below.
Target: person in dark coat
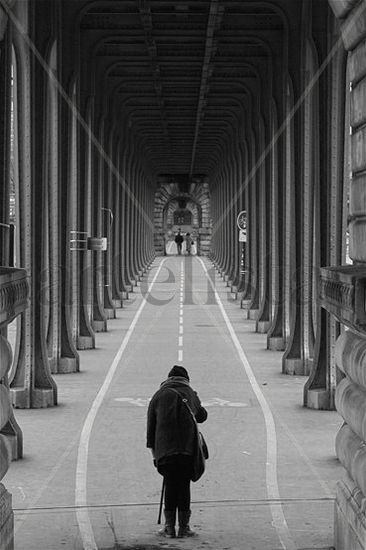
(179, 241)
(171, 436)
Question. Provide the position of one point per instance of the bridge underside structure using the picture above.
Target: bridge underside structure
(114, 115)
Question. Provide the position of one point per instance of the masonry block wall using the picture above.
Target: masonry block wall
(199, 197)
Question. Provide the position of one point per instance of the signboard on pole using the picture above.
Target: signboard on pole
(242, 224)
(97, 243)
(242, 236)
(242, 220)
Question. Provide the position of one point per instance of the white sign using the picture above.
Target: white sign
(242, 236)
(97, 243)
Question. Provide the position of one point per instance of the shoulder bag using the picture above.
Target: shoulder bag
(200, 451)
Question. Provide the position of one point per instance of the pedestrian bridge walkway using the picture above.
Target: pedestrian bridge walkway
(87, 480)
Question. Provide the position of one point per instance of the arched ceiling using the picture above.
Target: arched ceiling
(184, 76)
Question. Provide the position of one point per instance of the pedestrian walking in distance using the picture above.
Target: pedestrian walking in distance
(171, 438)
(179, 241)
(189, 243)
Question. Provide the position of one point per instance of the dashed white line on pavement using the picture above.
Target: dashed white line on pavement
(181, 299)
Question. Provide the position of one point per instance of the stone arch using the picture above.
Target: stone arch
(168, 199)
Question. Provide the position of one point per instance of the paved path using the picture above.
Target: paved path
(87, 480)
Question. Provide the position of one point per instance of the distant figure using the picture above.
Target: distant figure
(189, 243)
(179, 241)
(170, 436)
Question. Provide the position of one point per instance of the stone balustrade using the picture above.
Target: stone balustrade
(14, 291)
(342, 293)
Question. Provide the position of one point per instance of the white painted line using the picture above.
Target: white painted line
(181, 320)
(180, 343)
(181, 329)
(279, 520)
(180, 355)
(82, 515)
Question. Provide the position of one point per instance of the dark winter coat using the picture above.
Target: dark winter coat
(179, 238)
(170, 426)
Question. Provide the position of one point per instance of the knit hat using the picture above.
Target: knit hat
(177, 370)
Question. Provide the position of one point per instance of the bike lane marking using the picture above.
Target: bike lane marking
(278, 517)
(82, 514)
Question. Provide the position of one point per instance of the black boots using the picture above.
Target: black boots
(184, 529)
(169, 529)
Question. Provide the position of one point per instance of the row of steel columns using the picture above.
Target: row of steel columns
(286, 171)
(78, 178)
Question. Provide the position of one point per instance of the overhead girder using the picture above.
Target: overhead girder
(175, 105)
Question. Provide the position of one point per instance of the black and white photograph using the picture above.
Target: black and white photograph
(183, 275)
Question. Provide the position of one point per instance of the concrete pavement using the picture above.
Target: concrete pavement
(87, 480)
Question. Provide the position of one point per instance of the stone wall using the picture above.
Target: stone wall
(343, 290)
(198, 202)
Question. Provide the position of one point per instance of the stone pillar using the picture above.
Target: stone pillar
(296, 357)
(254, 220)
(14, 292)
(13, 300)
(99, 321)
(68, 198)
(329, 209)
(276, 332)
(108, 220)
(86, 336)
(263, 318)
(117, 284)
(31, 381)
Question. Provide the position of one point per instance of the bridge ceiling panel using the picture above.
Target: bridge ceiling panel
(178, 73)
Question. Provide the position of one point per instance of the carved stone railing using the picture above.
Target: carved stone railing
(14, 291)
(342, 292)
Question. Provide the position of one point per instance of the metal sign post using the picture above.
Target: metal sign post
(242, 225)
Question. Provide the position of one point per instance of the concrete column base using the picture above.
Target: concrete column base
(125, 295)
(9, 451)
(6, 520)
(262, 327)
(349, 517)
(245, 304)
(276, 343)
(67, 365)
(234, 292)
(253, 314)
(99, 326)
(110, 313)
(317, 399)
(53, 363)
(41, 398)
(85, 342)
(118, 303)
(293, 366)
